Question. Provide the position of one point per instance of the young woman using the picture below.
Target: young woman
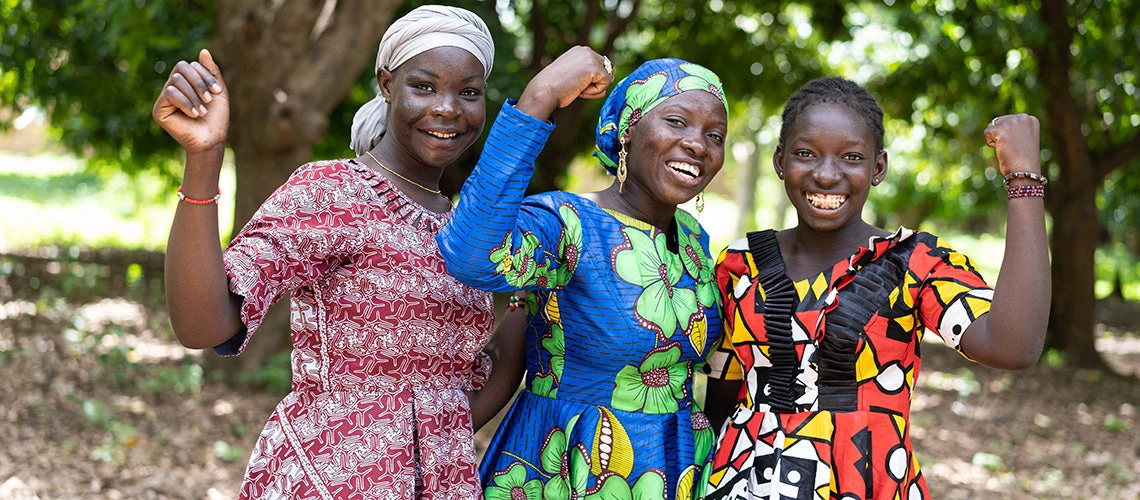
(622, 303)
(823, 320)
(384, 341)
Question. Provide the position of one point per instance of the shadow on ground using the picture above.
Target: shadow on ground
(100, 402)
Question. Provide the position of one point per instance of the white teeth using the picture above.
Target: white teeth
(825, 201)
(685, 168)
(441, 135)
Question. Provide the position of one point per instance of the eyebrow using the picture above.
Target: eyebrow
(802, 138)
(433, 75)
(665, 107)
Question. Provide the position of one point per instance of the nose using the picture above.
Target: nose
(826, 172)
(446, 105)
(694, 143)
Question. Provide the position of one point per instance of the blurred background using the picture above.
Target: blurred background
(99, 400)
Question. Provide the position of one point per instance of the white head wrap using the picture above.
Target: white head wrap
(421, 30)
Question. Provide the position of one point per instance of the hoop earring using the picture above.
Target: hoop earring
(700, 203)
(622, 170)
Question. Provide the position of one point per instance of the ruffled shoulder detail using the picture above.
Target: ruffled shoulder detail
(863, 290)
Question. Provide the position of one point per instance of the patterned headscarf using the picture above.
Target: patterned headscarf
(421, 30)
(650, 84)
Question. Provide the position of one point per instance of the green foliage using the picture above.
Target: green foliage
(961, 63)
(1115, 423)
(96, 66)
(227, 452)
(988, 461)
(275, 375)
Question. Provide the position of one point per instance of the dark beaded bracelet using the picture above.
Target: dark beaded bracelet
(1033, 176)
(1026, 191)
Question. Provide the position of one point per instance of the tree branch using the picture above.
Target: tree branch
(538, 36)
(617, 25)
(592, 7)
(1116, 156)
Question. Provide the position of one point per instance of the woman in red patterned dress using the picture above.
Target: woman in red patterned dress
(384, 341)
(823, 320)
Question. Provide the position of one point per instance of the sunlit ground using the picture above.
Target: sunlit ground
(50, 199)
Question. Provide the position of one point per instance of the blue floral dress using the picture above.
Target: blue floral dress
(620, 316)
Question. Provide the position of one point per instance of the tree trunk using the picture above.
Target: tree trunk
(1072, 320)
(287, 64)
(748, 175)
(1076, 229)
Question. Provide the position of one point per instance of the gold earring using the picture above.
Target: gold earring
(700, 203)
(622, 171)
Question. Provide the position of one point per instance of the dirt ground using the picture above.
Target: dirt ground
(97, 401)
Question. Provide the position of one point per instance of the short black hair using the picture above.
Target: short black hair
(837, 90)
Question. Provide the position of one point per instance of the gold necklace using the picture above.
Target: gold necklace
(393, 172)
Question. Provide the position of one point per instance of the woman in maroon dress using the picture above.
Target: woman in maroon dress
(385, 342)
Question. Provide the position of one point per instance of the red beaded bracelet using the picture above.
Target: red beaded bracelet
(192, 201)
(1026, 191)
(1033, 176)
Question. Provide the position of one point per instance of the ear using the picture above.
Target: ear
(880, 168)
(778, 161)
(624, 137)
(384, 80)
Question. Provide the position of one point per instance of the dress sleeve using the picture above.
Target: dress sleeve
(722, 361)
(952, 296)
(496, 240)
(297, 236)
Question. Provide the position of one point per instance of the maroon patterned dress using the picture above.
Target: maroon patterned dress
(384, 342)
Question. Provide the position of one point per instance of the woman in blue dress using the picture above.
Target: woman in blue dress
(622, 305)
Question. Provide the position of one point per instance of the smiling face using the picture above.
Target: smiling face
(829, 162)
(677, 148)
(436, 106)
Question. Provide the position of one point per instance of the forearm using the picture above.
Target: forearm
(489, 204)
(203, 312)
(1011, 335)
(506, 349)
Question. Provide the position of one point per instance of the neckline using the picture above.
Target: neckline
(392, 187)
(626, 219)
(859, 254)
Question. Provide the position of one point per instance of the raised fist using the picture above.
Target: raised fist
(194, 105)
(1017, 141)
(577, 73)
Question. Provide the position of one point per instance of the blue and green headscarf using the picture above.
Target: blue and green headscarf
(650, 84)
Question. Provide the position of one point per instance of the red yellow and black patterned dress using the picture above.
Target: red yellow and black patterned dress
(829, 365)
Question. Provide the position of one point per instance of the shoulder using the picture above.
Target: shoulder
(328, 184)
(560, 202)
(735, 258)
(934, 253)
(328, 170)
(934, 245)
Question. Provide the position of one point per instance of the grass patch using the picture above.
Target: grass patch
(49, 199)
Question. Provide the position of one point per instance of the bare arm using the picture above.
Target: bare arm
(1012, 334)
(507, 350)
(193, 108)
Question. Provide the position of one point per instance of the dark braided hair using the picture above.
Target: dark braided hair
(834, 89)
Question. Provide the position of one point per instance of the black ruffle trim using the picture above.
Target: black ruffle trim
(857, 302)
(777, 306)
